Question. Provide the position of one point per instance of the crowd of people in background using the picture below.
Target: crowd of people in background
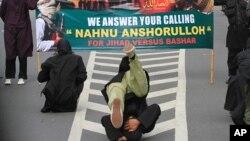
(94, 5)
(98, 5)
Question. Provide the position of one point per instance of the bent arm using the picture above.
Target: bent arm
(42, 45)
(44, 74)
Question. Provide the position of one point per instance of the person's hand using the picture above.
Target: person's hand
(131, 124)
(57, 39)
(123, 138)
(58, 7)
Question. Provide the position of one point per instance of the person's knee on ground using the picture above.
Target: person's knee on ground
(149, 118)
(105, 121)
(112, 133)
(156, 108)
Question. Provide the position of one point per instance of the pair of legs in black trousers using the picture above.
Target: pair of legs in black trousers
(10, 71)
(148, 118)
(232, 60)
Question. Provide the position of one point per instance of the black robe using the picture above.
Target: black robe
(236, 92)
(134, 106)
(65, 74)
(238, 29)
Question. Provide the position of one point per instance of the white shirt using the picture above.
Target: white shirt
(42, 45)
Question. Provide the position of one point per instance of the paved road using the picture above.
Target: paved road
(192, 109)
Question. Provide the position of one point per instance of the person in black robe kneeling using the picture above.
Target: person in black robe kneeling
(65, 74)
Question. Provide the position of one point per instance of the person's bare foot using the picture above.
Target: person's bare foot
(129, 49)
(116, 113)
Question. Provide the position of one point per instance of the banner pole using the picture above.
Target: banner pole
(38, 62)
(212, 67)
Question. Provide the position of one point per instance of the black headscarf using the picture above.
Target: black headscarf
(63, 47)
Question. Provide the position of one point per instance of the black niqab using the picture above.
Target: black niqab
(63, 47)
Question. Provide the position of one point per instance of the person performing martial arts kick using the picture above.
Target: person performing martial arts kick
(126, 97)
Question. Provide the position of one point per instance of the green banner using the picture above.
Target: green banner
(112, 28)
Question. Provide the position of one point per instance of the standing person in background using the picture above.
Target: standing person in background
(65, 74)
(75, 2)
(237, 32)
(47, 36)
(87, 4)
(17, 36)
(102, 4)
(94, 5)
(82, 4)
(238, 91)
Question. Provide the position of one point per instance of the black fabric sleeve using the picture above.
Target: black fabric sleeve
(82, 74)
(219, 2)
(112, 133)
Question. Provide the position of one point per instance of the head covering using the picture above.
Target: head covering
(63, 47)
(47, 8)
